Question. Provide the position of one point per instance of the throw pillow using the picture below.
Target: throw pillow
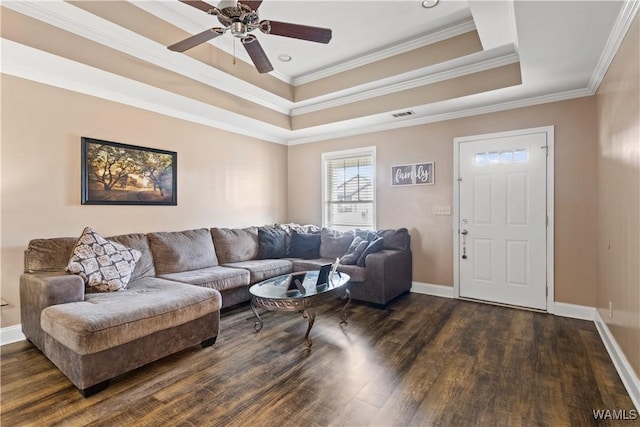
(395, 239)
(354, 252)
(367, 235)
(333, 243)
(104, 265)
(235, 244)
(291, 227)
(271, 243)
(304, 245)
(374, 246)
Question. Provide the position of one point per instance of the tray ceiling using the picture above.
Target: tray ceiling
(386, 57)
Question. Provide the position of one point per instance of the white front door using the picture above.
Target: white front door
(502, 219)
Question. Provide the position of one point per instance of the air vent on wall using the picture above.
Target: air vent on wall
(403, 114)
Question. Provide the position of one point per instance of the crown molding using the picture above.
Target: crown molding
(43, 67)
(407, 46)
(474, 63)
(382, 122)
(624, 20)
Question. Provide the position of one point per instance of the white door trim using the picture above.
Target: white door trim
(549, 130)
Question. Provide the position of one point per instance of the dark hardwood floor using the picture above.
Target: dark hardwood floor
(422, 361)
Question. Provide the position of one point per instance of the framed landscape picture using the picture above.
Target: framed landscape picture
(121, 174)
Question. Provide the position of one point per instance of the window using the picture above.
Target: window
(494, 157)
(349, 189)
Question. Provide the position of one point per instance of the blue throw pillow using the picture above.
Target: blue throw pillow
(305, 245)
(374, 246)
(354, 252)
(271, 243)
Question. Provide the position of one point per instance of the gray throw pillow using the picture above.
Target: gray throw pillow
(333, 243)
(354, 252)
(372, 247)
(271, 243)
(395, 239)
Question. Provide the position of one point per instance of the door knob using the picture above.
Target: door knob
(464, 232)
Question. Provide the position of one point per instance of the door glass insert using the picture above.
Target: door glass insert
(501, 157)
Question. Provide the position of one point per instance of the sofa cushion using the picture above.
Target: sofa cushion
(304, 245)
(218, 277)
(264, 269)
(356, 274)
(235, 244)
(48, 254)
(374, 246)
(104, 265)
(356, 249)
(104, 321)
(138, 241)
(271, 243)
(333, 243)
(182, 250)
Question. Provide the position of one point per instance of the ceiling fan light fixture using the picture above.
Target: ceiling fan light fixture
(238, 29)
(428, 4)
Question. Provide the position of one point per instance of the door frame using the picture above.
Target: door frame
(549, 131)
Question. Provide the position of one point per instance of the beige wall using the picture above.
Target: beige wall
(224, 179)
(618, 185)
(411, 207)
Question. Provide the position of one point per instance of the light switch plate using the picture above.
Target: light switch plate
(442, 210)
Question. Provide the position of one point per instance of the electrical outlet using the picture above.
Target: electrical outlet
(442, 210)
(610, 310)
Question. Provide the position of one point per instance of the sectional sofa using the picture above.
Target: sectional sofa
(179, 283)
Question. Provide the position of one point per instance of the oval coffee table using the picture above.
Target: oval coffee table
(272, 295)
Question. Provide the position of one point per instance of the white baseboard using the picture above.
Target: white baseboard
(626, 372)
(11, 334)
(574, 311)
(429, 289)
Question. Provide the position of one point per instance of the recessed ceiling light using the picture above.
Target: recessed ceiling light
(284, 57)
(428, 4)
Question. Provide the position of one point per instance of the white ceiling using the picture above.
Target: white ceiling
(564, 49)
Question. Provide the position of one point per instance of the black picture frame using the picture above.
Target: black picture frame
(296, 281)
(123, 174)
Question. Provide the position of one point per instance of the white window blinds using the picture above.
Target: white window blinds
(349, 189)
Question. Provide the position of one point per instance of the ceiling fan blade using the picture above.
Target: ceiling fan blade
(296, 31)
(255, 51)
(253, 4)
(205, 7)
(192, 41)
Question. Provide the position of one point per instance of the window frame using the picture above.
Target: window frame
(345, 154)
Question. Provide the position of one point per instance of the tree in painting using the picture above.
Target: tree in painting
(122, 174)
(158, 169)
(109, 165)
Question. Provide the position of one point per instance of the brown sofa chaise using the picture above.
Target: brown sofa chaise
(94, 337)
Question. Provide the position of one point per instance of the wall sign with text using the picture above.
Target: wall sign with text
(415, 174)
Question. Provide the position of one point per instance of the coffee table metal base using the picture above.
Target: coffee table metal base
(301, 305)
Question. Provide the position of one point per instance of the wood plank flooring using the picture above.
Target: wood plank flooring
(423, 361)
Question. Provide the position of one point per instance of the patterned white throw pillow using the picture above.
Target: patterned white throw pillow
(104, 265)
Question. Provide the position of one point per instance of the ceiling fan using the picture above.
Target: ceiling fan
(241, 18)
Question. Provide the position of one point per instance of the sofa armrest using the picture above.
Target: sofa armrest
(389, 274)
(41, 290)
